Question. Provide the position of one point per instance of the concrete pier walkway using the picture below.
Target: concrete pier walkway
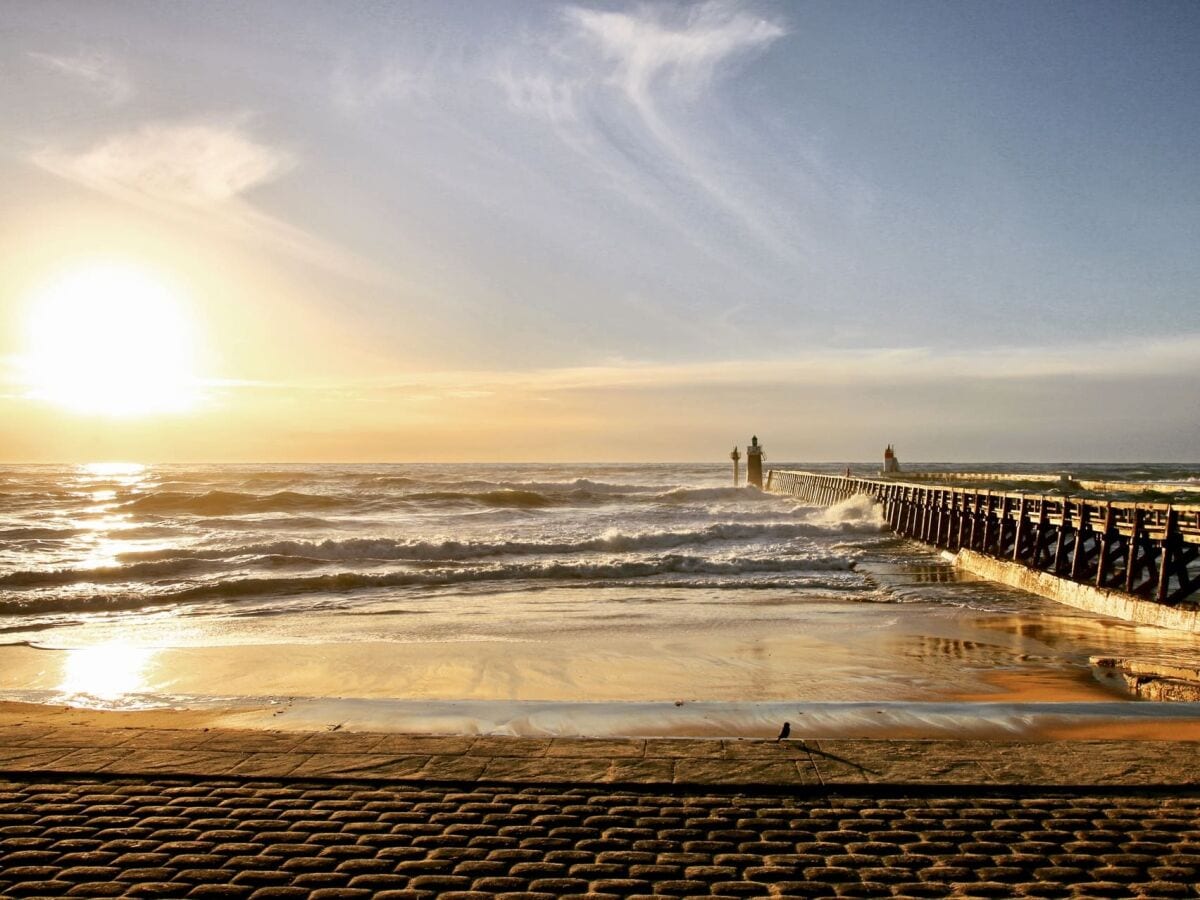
(218, 813)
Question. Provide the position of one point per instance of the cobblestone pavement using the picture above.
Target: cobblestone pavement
(281, 838)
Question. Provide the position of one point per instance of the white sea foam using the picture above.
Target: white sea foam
(856, 514)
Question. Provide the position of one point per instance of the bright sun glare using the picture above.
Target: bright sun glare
(110, 339)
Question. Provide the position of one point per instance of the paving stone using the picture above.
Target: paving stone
(97, 889)
(277, 765)
(453, 768)
(686, 748)
(681, 887)
(165, 738)
(424, 744)
(494, 746)
(350, 765)
(49, 888)
(26, 759)
(542, 770)
(76, 736)
(597, 748)
(743, 771)
(641, 771)
(341, 742)
(781, 751)
(145, 762)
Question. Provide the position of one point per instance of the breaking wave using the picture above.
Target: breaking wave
(820, 569)
(103, 574)
(611, 541)
(226, 503)
(858, 513)
(499, 498)
(700, 495)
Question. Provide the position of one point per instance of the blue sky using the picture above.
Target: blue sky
(699, 216)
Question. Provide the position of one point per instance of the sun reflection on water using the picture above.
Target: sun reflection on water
(126, 472)
(105, 484)
(107, 672)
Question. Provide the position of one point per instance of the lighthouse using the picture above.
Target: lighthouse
(891, 464)
(754, 461)
(737, 474)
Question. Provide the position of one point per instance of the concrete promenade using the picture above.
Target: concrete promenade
(247, 814)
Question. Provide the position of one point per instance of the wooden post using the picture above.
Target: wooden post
(1083, 530)
(1019, 531)
(1002, 525)
(940, 517)
(1132, 563)
(990, 508)
(1166, 559)
(1102, 564)
(1061, 537)
(962, 521)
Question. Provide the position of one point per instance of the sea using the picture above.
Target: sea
(533, 598)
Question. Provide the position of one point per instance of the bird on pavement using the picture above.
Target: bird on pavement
(784, 731)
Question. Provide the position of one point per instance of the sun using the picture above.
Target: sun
(110, 339)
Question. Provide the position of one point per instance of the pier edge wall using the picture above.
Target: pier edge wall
(1071, 593)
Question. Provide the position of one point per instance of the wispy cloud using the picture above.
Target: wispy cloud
(819, 369)
(189, 163)
(202, 171)
(681, 48)
(96, 71)
(643, 75)
(356, 91)
(540, 94)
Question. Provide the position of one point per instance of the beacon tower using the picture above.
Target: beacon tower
(754, 461)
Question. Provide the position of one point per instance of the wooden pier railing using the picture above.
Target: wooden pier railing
(1148, 550)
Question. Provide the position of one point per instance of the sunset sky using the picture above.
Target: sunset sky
(525, 231)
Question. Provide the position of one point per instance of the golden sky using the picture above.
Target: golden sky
(564, 233)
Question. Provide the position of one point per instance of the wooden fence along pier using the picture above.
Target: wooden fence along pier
(1140, 561)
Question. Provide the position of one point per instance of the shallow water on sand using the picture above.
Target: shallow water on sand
(128, 586)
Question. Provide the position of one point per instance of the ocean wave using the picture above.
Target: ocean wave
(699, 495)
(37, 533)
(104, 574)
(498, 498)
(612, 541)
(291, 522)
(225, 503)
(554, 571)
(546, 487)
(345, 582)
(577, 485)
